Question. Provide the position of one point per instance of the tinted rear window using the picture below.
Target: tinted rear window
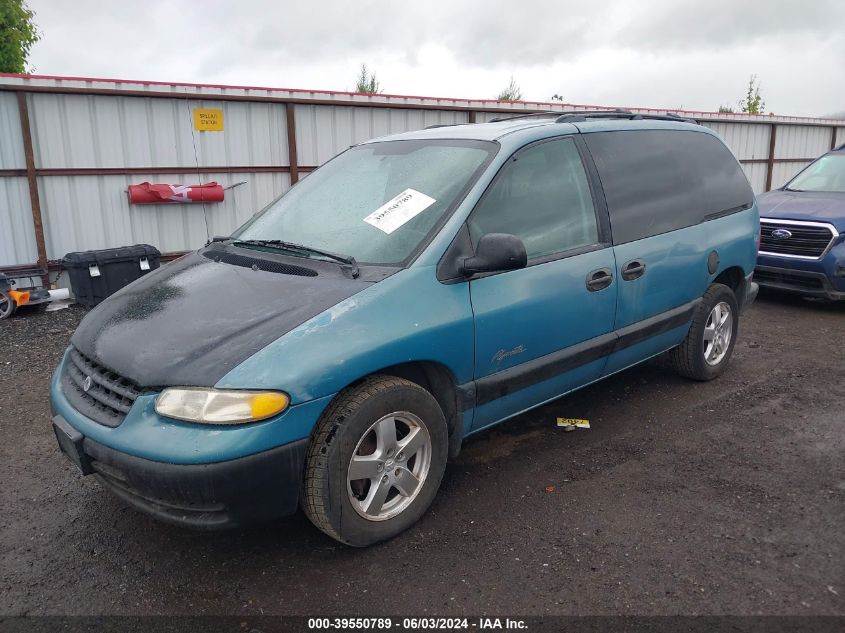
(657, 181)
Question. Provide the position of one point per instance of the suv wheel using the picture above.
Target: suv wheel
(375, 461)
(706, 350)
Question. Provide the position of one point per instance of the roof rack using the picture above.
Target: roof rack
(583, 115)
(499, 119)
(436, 125)
(577, 116)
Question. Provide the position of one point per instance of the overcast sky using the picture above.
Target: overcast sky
(658, 53)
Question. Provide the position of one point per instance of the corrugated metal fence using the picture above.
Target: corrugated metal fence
(69, 148)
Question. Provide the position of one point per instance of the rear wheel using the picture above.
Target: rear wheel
(375, 461)
(705, 352)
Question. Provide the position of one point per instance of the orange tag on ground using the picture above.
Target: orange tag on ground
(581, 424)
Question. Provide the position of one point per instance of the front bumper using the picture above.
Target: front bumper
(808, 283)
(193, 475)
(823, 278)
(211, 496)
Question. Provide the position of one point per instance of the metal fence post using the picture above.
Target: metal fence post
(292, 161)
(32, 180)
(770, 163)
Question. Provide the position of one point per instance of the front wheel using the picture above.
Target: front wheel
(706, 350)
(375, 461)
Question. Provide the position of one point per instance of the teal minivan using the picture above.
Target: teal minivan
(335, 351)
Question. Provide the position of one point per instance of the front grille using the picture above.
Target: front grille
(770, 277)
(807, 241)
(109, 396)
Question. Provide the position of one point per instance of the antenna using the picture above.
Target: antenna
(197, 161)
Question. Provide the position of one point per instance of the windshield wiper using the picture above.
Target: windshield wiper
(347, 260)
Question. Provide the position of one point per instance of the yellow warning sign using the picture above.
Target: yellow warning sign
(208, 120)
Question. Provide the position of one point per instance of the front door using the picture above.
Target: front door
(545, 329)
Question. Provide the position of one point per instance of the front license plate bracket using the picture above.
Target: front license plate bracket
(70, 443)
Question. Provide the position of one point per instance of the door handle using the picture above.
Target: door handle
(633, 269)
(599, 279)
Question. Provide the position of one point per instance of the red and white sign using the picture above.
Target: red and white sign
(148, 193)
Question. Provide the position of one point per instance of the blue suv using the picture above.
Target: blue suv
(802, 231)
(336, 350)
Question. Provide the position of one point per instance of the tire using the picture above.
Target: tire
(357, 425)
(7, 306)
(697, 358)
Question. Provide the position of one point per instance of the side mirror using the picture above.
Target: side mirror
(496, 252)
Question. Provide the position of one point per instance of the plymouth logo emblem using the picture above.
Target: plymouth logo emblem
(781, 234)
(86, 384)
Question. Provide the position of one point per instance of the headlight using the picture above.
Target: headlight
(217, 406)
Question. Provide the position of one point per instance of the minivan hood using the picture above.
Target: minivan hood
(804, 205)
(193, 320)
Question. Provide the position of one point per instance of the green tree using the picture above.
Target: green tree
(367, 82)
(510, 93)
(753, 103)
(556, 97)
(17, 35)
(725, 108)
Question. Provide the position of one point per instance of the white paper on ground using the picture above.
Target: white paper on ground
(397, 211)
(59, 305)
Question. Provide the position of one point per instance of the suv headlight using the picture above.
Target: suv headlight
(219, 406)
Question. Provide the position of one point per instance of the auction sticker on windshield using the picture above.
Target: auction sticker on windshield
(397, 211)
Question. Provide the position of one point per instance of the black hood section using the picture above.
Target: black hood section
(193, 320)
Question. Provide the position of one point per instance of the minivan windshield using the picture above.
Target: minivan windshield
(375, 202)
(827, 174)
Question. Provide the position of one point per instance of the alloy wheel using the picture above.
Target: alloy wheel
(717, 333)
(389, 466)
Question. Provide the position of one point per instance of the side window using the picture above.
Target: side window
(543, 197)
(657, 181)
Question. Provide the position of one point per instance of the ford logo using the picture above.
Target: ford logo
(781, 234)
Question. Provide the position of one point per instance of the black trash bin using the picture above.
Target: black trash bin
(94, 275)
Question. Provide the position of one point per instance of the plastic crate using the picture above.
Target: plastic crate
(95, 275)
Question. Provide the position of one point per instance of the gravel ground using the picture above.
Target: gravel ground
(719, 498)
